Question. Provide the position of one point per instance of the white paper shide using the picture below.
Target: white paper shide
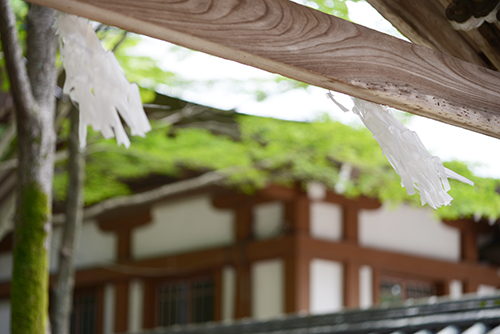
(97, 84)
(419, 171)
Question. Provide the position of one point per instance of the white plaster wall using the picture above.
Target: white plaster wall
(326, 221)
(365, 287)
(93, 247)
(456, 289)
(228, 293)
(486, 290)
(4, 316)
(109, 309)
(268, 220)
(136, 295)
(55, 245)
(409, 230)
(183, 225)
(326, 286)
(5, 266)
(268, 289)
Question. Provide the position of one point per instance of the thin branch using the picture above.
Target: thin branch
(120, 41)
(7, 137)
(19, 82)
(206, 179)
(7, 216)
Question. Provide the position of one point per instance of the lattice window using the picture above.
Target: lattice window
(84, 316)
(393, 289)
(183, 302)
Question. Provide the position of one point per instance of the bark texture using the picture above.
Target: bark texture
(63, 289)
(33, 94)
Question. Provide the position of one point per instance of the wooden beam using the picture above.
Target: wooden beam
(424, 22)
(301, 43)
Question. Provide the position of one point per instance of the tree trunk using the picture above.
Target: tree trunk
(33, 94)
(63, 289)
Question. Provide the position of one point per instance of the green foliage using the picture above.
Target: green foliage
(332, 7)
(21, 10)
(482, 199)
(270, 151)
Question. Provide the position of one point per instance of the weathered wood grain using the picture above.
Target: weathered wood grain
(304, 44)
(424, 22)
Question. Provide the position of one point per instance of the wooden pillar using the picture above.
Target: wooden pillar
(297, 214)
(123, 223)
(124, 251)
(470, 286)
(468, 245)
(302, 215)
(243, 222)
(297, 264)
(218, 294)
(149, 305)
(443, 288)
(297, 284)
(350, 218)
(121, 306)
(243, 233)
(351, 285)
(243, 307)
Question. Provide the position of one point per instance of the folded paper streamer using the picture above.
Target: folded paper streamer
(419, 171)
(96, 82)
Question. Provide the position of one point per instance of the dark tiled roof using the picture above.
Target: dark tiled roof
(470, 315)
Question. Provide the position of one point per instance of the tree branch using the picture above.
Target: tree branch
(7, 137)
(7, 215)
(19, 82)
(206, 179)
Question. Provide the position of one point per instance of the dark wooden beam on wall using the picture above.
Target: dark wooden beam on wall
(301, 43)
(387, 261)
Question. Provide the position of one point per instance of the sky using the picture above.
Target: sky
(233, 82)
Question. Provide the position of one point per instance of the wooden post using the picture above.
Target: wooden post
(297, 284)
(350, 219)
(351, 285)
(121, 306)
(243, 234)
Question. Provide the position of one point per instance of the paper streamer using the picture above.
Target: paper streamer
(97, 84)
(419, 171)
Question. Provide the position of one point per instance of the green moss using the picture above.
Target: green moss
(29, 291)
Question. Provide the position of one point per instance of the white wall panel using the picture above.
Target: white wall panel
(486, 290)
(109, 309)
(92, 248)
(456, 289)
(365, 286)
(5, 266)
(268, 297)
(228, 293)
(326, 286)
(135, 305)
(183, 225)
(326, 221)
(268, 220)
(4, 316)
(409, 230)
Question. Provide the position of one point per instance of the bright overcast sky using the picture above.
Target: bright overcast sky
(446, 141)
